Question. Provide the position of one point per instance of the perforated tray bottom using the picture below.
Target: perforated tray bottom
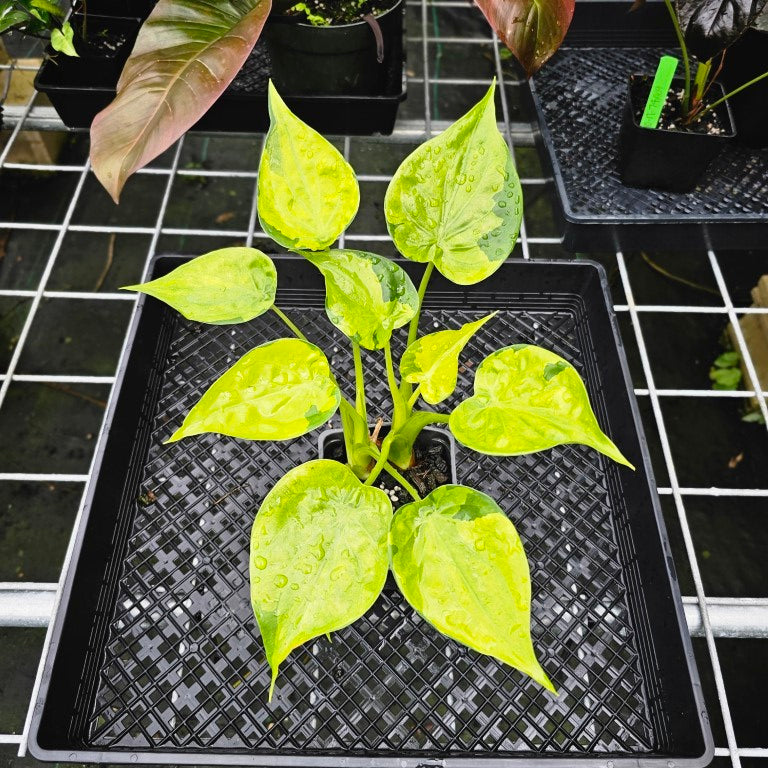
(184, 665)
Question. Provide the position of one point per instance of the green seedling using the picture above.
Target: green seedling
(39, 18)
(325, 536)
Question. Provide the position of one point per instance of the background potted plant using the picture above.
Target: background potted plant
(696, 118)
(189, 51)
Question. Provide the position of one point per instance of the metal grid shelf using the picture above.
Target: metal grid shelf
(441, 86)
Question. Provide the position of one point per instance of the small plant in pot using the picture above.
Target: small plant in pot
(671, 131)
(335, 46)
(325, 536)
(39, 18)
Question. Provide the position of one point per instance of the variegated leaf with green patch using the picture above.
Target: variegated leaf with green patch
(318, 555)
(459, 562)
(432, 361)
(366, 296)
(528, 399)
(456, 200)
(279, 390)
(307, 192)
(231, 285)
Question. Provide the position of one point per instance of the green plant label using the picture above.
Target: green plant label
(459, 562)
(231, 285)
(318, 555)
(456, 200)
(307, 192)
(366, 296)
(659, 90)
(528, 399)
(277, 391)
(432, 361)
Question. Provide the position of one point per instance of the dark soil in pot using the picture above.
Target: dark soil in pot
(673, 156)
(433, 466)
(104, 37)
(341, 58)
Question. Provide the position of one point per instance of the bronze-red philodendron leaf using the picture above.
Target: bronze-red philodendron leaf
(532, 29)
(186, 54)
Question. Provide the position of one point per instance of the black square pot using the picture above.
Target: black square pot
(654, 158)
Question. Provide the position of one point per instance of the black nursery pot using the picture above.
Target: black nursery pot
(108, 38)
(80, 87)
(436, 446)
(124, 8)
(339, 59)
(746, 59)
(655, 158)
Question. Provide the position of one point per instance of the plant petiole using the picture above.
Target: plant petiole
(413, 328)
(287, 320)
(400, 412)
(686, 60)
(414, 398)
(360, 404)
(732, 93)
(381, 457)
(390, 470)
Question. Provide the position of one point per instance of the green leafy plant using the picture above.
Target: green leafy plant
(324, 536)
(725, 373)
(705, 29)
(189, 51)
(38, 18)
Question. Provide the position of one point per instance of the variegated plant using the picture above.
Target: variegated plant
(324, 536)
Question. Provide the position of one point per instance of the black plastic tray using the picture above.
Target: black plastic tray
(155, 655)
(579, 96)
(243, 106)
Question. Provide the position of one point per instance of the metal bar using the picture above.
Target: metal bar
(31, 605)
(41, 477)
(729, 617)
(26, 604)
(717, 492)
(59, 378)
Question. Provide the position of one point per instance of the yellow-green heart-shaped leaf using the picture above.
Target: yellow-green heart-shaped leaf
(456, 200)
(527, 399)
(459, 562)
(432, 361)
(366, 296)
(307, 192)
(231, 285)
(277, 391)
(318, 555)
